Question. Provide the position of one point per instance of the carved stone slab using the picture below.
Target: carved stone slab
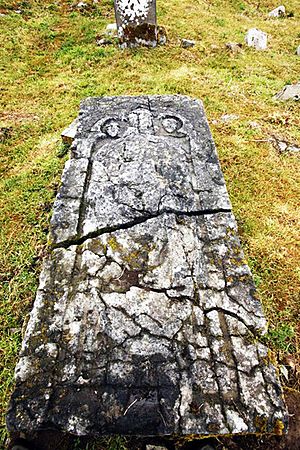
(145, 321)
(136, 21)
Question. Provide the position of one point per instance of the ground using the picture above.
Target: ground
(50, 61)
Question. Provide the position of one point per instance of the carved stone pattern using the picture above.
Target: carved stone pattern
(146, 320)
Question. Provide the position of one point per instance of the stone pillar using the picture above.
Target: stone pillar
(136, 21)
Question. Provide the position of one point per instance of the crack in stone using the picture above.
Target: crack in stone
(136, 221)
(146, 321)
(214, 370)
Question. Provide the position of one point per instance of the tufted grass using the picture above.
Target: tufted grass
(49, 62)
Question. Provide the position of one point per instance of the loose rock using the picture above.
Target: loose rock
(289, 92)
(161, 35)
(234, 47)
(104, 42)
(298, 51)
(82, 5)
(68, 135)
(111, 30)
(278, 12)
(283, 146)
(186, 43)
(155, 447)
(257, 39)
(229, 117)
(19, 447)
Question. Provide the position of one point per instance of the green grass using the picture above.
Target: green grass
(49, 62)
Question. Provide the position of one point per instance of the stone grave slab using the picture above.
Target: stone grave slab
(136, 22)
(146, 320)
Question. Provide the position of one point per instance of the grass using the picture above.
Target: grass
(50, 61)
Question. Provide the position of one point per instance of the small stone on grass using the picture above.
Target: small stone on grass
(257, 39)
(278, 12)
(187, 43)
(234, 47)
(289, 92)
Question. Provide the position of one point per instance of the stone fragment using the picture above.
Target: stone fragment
(19, 447)
(234, 47)
(278, 12)
(225, 118)
(283, 146)
(298, 51)
(146, 320)
(155, 447)
(161, 35)
(136, 21)
(68, 135)
(289, 92)
(82, 5)
(254, 125)
(104, 41)
(187, 43)
(229, 117)
(112, 30)
(257, 39)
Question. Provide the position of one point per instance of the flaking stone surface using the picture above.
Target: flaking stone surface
(136, 22)
(146, 320)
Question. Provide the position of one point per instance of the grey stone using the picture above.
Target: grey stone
(278, 12)
(225, 118)
(155, 447)
(234, 47)
(104, 41)
(161, 36)
(19, 447)
(82, 5)
(186, 43)
(136, 21)
(185, 178)
(111, 30)
(68, 135)
(229, 117)
(257, 39)
(298, 51)
(289, 92)
(283, 146)
(146, 320)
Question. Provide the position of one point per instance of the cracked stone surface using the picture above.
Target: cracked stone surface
(146, 320)
(136, 21)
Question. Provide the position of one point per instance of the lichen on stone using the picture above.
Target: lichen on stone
(146, 320)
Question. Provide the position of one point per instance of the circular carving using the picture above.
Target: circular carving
(171, 124)
(112, 128)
